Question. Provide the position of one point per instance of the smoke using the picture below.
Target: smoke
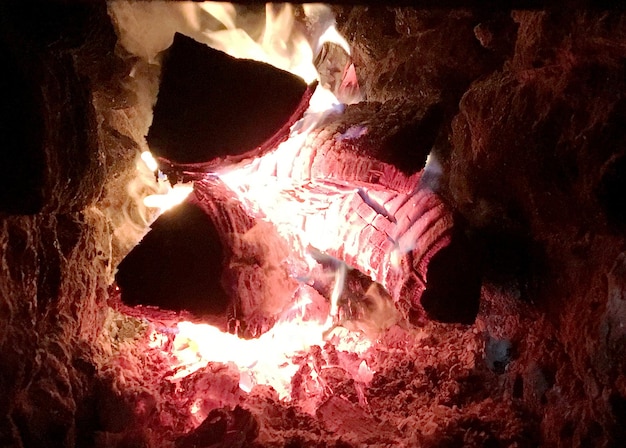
(431, 177)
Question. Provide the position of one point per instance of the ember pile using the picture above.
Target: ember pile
(342, 207)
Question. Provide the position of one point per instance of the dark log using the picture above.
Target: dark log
(208, 259)
(211, 105)
(177, 266)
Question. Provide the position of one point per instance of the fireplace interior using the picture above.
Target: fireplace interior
(396, 226)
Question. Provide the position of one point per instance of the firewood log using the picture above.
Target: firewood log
(211, 105)
(212, 261)
(364, 168)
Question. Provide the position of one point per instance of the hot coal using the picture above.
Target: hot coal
(211, 105)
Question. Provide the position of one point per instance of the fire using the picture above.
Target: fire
(281, 43)
(276, 38)
(266, 360)
(167, 196)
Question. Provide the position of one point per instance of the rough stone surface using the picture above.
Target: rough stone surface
(56, 265)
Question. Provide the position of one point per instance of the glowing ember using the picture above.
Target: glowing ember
(267, 360)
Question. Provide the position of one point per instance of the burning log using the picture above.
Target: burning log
(175, 266)
(355, 192)
(208, 257)
(211, 105)
(347, 185)
(399, 231)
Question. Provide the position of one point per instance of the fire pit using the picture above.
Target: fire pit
(228, 226)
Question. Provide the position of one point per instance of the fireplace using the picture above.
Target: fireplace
(439, 262)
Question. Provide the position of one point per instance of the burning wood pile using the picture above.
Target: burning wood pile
(349, 188)
(312, 226)
(230, 226)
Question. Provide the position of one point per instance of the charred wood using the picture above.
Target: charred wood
(255, 274)
(177, 265)
(358, 196)
(211, 105)
(208, 257)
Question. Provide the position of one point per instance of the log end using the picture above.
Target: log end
(177, 266)
(211, 105)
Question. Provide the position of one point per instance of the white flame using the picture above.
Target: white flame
(149, 160)
(332, 35)
(174, 196)
(273, 37)
(266, 360)
(166, 196)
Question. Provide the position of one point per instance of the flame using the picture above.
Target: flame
(279, 45)
(274, 37)
(166, 196)
(267, 360)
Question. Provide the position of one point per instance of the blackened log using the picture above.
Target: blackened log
(256, 268)
(210, 261)
(211, 105)
(177, 265)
